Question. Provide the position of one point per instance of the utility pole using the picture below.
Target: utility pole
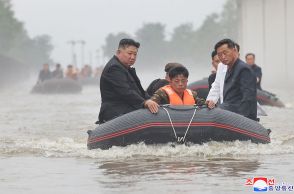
(82, 42)
(90, 58)
(73, 54)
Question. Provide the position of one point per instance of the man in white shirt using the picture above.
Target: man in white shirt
(216, 92)
(217, 87)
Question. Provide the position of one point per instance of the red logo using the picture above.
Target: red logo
(251, 181)
(271, 182)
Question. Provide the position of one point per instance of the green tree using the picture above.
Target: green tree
(186, 45)
(17, 45)
(10, 28)
(112, 41)
(214, 28)
(180, 47)
(38, 53)
(153, 45)
(19, 54)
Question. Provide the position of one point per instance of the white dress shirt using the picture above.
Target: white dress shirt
(217, 87)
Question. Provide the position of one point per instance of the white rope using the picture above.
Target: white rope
(189, 124)
(171, 122)
(179, 140)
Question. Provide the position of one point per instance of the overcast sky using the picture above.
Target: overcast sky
(93, 20)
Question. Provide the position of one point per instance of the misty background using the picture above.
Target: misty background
(79, 32)
(43, 137)
(160, 43)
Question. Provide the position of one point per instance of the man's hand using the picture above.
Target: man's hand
(151, 105)
(210, 104)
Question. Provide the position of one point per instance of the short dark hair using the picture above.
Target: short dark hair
(213, 53)
(237, 47)
(169, 66)
(250, 54)
(123, 43)
(229, 42)
(180, 70)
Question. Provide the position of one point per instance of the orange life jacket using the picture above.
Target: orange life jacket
(174, 99)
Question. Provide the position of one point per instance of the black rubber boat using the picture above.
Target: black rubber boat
(176, 124)
(58, 86)
(201, 87)
(89, 81)
(266, 98)
(263, 97)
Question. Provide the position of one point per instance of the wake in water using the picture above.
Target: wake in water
(56, 125)
(69, 147)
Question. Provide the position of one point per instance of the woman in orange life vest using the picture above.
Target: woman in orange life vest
(176, 93)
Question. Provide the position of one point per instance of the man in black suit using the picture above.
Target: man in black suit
(120, 87)
(240, 82)
(250, 60)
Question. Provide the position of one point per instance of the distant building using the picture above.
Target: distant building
(266, 29)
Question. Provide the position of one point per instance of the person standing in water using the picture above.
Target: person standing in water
(250, 60)
(44, 74)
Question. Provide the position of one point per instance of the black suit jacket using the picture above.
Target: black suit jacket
(211, 79)
(121, 90)
(240, 90)
(258, 73)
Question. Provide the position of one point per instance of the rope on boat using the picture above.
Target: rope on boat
(180, 139)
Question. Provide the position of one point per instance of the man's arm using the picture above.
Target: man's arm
(121, 85)
(160, 97)
(198, 101)
(214, 92)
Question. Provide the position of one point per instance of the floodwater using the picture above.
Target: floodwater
(43, 150)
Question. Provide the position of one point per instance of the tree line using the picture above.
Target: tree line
(186, 44)
(19, 52)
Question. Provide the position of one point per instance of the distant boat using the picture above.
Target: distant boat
(58, 86)
(89, 81)
(263, 97)
(176, 124)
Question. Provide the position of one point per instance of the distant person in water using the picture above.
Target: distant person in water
(120, 88)
(158, 83)
(44, 73)
(176, 92)
(86, 72)
(250, 60)
(98, 71)
(57, 73)
(71, 73)
(214, 61)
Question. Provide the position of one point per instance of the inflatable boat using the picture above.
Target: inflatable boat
(263, 97)
(90, 81)
(58, 86)
(180, 124)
